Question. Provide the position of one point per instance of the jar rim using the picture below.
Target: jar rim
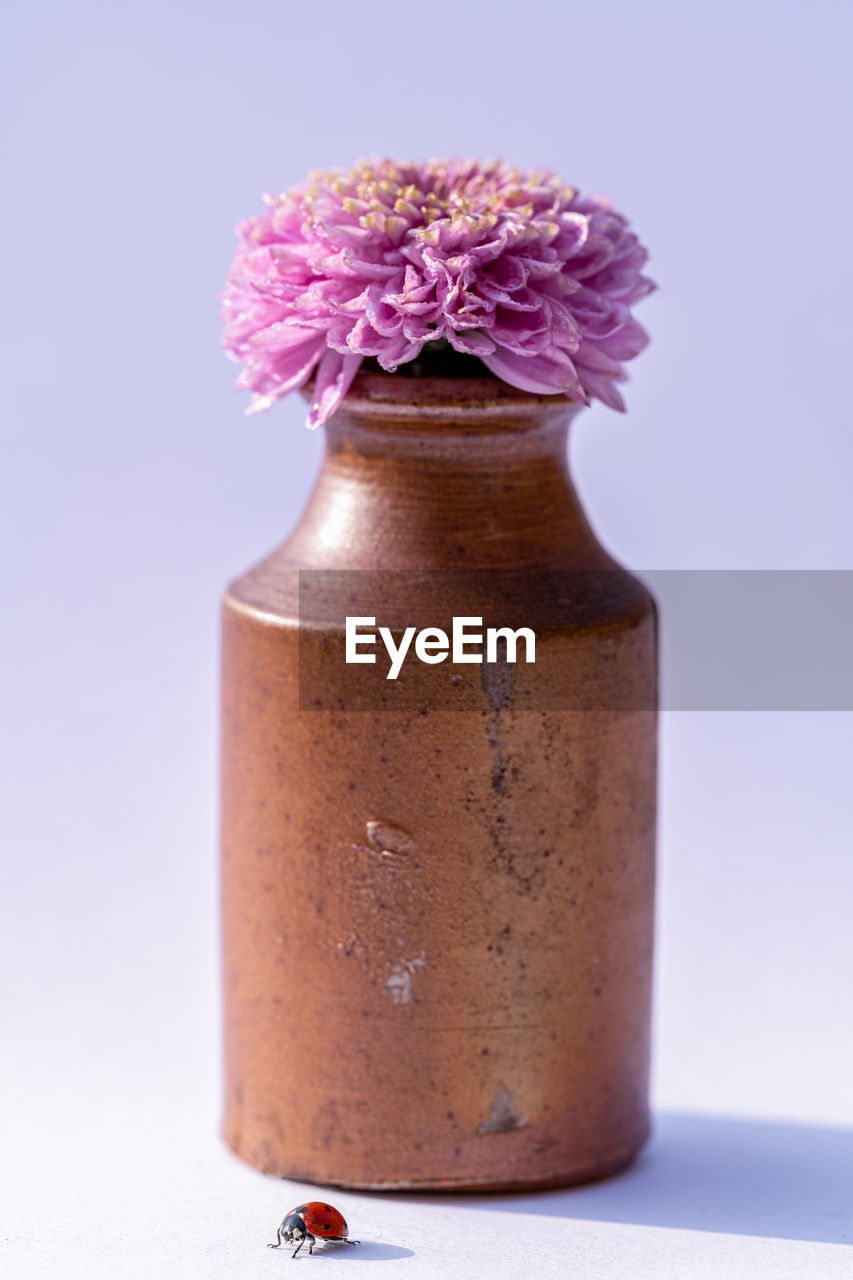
(484, 397)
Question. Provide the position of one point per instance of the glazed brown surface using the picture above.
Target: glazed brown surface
(437, 924)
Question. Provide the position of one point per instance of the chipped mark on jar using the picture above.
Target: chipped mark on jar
(497, 747)
(496, 679)
(399, 984)
(352, 946)
(389, 839)
(504, 1115)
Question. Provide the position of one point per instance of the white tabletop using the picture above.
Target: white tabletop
(110, 1070)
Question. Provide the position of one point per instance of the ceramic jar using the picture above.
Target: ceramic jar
(437, 898)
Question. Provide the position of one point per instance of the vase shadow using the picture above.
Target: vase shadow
(709, 1173)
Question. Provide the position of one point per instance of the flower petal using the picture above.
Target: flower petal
(334, 377)
(547, 373)
(603, 388)
(473, 342)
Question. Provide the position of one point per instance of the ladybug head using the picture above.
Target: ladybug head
(293, 1228)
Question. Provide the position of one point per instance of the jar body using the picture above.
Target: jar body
(438, 923)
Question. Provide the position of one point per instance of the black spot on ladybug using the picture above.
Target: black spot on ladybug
(328, 1209)
(327, 1226)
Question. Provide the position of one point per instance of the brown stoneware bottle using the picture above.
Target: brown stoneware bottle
(438, 891)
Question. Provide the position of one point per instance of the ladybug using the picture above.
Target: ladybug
(308, 1221)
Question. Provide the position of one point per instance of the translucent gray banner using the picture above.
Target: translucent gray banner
(774, 640)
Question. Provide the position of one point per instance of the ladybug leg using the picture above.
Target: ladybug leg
(278, 1245)
(307, 1236)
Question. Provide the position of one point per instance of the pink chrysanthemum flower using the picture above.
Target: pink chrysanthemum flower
(507, 265)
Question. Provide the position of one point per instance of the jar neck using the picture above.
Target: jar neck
(439, 483)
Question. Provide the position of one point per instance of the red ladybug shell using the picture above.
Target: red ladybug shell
(322, 1219)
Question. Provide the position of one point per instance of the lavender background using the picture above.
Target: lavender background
(133, 489)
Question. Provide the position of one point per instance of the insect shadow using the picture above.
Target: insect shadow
(368, 1250)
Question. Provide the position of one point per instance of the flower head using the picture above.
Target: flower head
(508, 265)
